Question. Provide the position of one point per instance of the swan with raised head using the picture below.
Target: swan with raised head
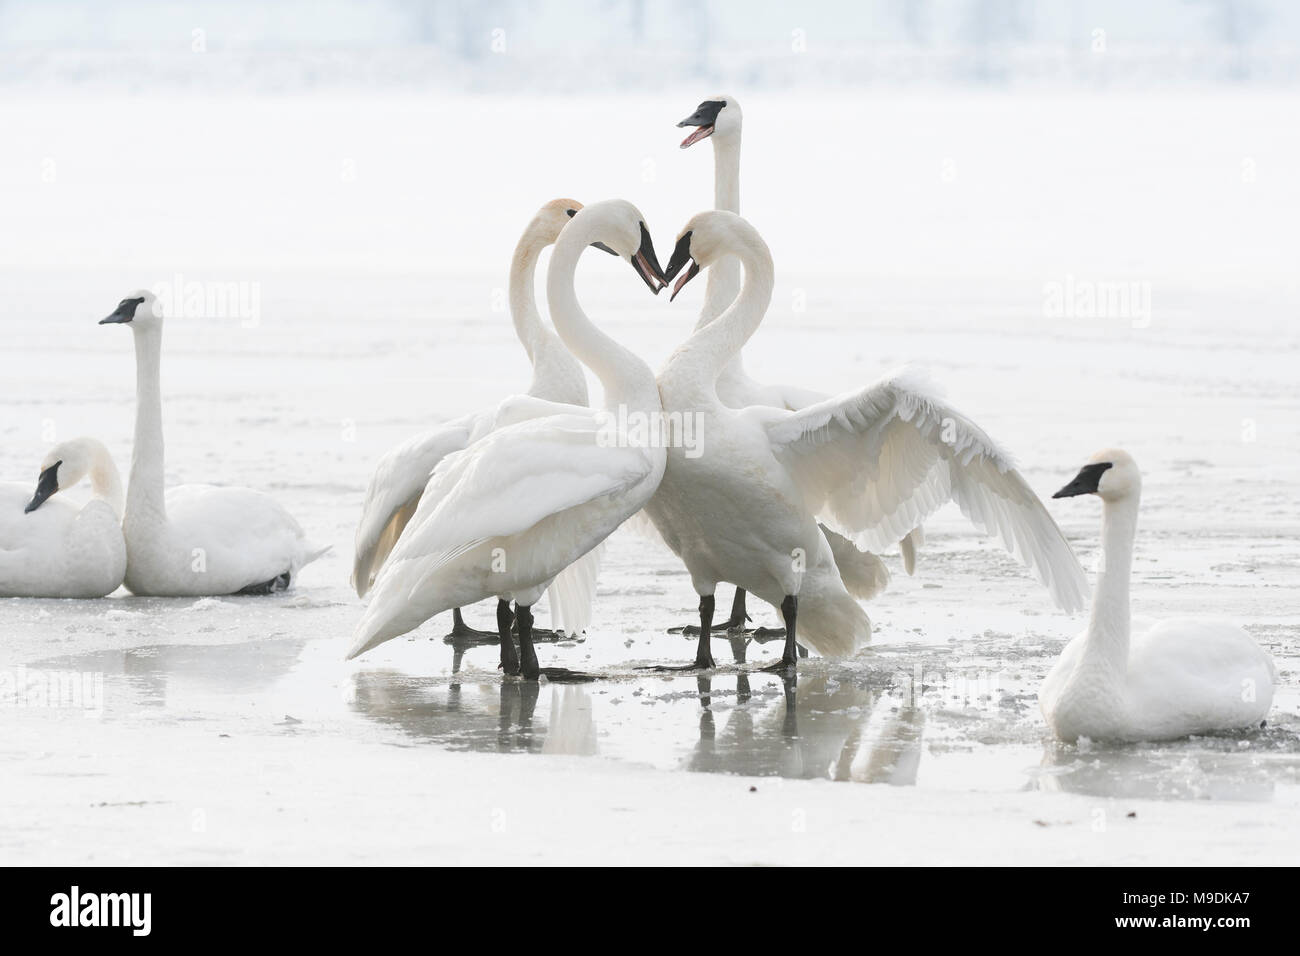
(720, 120)
(508, 513)
(1182, 676)
(401, 474)
(51, 547)
(194, 540)
(877, 461)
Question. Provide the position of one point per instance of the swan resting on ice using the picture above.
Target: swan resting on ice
(1183, 676)
(51, 547)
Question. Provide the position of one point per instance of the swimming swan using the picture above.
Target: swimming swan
(51, 547)
(194, 539)
(877, 461)
(719, 119)
(402, 473)
(1182, 676)
(508, 513)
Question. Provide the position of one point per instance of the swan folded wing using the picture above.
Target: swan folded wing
(878, 461)
(512, 479)
(236, 531)
(395, 490)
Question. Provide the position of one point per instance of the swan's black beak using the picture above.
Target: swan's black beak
(124, 312)
(646, 263)
(46, 485)
(702, 119)
(1085, 482)
(681, 254)
(603, 248)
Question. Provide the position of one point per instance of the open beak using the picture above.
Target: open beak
(46, 485)
(703, 119)
(1085, 482)
(681, 255)
(697, 134)
(646, 263)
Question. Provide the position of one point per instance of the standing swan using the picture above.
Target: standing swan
(719, 119)
(402, 473)
(194, 539)
(1183, 676)
(507, 514)
(53, 548)
(878, 460)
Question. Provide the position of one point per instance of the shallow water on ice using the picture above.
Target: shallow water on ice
(368, 333)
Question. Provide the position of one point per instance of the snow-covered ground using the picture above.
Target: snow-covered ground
(376, 232)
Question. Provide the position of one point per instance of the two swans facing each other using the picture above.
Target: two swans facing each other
(1183, 676)
(194, 540)
(51, 547)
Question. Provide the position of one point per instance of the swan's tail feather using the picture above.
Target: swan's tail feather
(909, 546)
(864, 574)
(831, 622)
(573, 592)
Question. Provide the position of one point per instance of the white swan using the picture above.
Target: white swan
(507, 514)
(877, 461)
(401, 475)
(50, 547)
(719, 119)
(194, 539)
(1182, 676)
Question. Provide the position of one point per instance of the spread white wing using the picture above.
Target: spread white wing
(878, 461)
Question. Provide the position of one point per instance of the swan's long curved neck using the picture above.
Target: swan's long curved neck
(722, 284)
(523, 300)
(106, 483)
(144, 496)
(697, 364)
(627, 380)
(1107, 641)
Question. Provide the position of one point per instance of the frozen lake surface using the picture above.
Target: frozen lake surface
(378, 232)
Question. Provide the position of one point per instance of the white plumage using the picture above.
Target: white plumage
(194, 539)
(508, 513)
(1181, 676)
(878, 461)
(52, 547)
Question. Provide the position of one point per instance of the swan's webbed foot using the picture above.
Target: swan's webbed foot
(789, 662)
(703, 648)
(562, 675)
(735, 624)
(764, 634)
(462, 635)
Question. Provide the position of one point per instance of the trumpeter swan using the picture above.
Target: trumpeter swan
(508, 513)
(720, 119)
(51, 547)
(194, 539)
(1182, 676)
(400, 476)
(876, 460)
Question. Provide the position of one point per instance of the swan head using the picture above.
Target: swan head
(140, 309)
(717, 116)
(63, 466)
(550, 222)
(704, 240)
(1111, 475)
(622, 231)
